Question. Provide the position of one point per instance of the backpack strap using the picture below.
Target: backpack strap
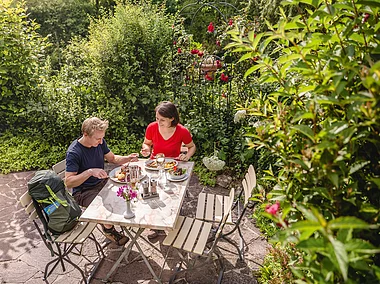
(55, 197)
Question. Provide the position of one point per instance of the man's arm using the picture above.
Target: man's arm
(119, 160)
(73, 179)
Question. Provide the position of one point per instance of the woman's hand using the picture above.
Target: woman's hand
(183, 157)
(145, 150)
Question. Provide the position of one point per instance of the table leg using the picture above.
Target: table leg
(125, 252)
(143, 255)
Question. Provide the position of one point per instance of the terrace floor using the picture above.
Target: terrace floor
(23, 255)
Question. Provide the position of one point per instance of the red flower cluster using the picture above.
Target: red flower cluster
(224, 78)
(218, 64)
(210, 28)
(230, 22)
(196, 51)
(273, 209)
(179, 50)
(208, 77)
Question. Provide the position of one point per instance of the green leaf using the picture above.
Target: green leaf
(347, 223)
(306, 130)
(357, 166)
(334, 178)
(306, 225)
(340, 256)
(253, 69)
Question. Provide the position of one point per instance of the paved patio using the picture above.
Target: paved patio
(23, 255)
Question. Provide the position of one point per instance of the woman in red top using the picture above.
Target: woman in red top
(167, 135)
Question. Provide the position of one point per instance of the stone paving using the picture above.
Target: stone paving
(23, 255)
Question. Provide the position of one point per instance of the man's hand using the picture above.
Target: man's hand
(98, 173)
(134, 157)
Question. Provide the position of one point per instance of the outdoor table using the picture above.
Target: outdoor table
(159, 213)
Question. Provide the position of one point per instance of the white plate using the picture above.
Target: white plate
(115, 170)
(167, 160)
(182, 179)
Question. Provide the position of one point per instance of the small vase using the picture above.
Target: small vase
(128, 214)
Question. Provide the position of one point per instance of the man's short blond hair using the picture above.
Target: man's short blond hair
(90, 125)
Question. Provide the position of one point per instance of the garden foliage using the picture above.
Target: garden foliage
(22, 53)
(322, 125)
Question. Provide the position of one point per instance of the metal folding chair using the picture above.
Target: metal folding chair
(195, 237)
(63, 245)
(211, 208)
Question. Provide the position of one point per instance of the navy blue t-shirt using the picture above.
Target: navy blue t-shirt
(80, 158)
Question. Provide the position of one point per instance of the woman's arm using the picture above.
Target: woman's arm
(190, 152)
(146, 147)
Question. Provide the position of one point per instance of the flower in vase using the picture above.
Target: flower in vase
(127, 192)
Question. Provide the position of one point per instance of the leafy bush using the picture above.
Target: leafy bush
(321, 126)
(26, 151)
(22, 52)
(119, 73)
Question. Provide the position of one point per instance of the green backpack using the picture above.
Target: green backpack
(49, 191)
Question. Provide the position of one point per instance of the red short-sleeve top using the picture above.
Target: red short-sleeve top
(170, 147)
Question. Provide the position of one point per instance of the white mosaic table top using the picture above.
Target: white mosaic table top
(156, 213)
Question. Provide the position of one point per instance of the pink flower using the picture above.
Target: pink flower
(126, 192)
(365, 18)
(179, 50)
(194, 51)
(273, 209)
(224, 78)
(230, 22)
(218, 43)
(174, 42)
(200, 53)
(210, 28)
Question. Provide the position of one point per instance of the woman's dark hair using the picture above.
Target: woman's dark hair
(168, 110)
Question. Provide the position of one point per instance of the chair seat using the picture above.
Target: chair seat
(77, 235)
(189, 234)
(212, 207)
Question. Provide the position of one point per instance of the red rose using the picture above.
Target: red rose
(208, 77)
(218, 64)
(200, 53)
(194, 51)
(218, 43)
(210, 28)
(174, 42)
(179, 50)
(230, 22)
(224, 78)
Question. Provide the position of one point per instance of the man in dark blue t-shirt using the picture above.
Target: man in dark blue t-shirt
(85, 167)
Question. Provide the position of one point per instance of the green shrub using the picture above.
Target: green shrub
(27, 152)
(22, 52)
(322, 127)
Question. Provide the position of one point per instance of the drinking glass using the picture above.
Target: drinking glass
(134, 174)
(160, 160)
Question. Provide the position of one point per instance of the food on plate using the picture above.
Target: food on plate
(123, 174)
(167, 165)
(177, 173)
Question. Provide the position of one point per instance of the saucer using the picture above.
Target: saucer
(182, 179)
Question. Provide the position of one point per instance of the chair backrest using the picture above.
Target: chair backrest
(27, 202)
(60, 168)
(249, 183)
(224, 220)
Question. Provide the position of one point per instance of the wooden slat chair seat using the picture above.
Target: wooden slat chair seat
(61, 246)
(212, 207)
(193, 236)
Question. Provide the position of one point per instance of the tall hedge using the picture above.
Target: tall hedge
(22, 52)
